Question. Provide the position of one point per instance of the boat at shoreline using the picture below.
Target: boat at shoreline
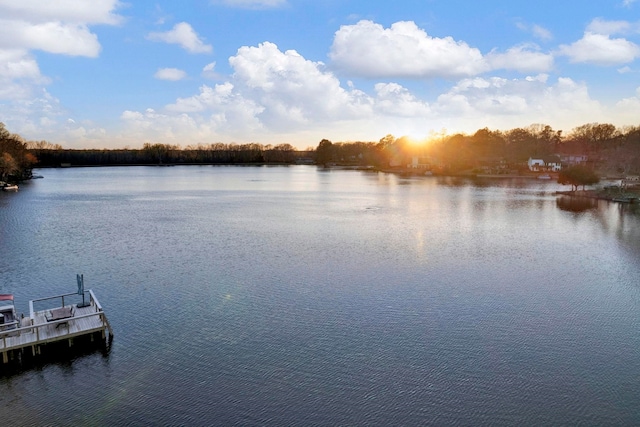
(8, 318)
(10, 187)
(625, 199)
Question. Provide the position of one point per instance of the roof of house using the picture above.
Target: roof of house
(551, 159)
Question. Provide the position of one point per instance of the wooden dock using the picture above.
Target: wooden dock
(63, 322)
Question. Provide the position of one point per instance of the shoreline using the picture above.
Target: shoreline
(620, 197)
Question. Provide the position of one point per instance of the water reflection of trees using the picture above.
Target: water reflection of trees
(628, 225)
(576, 204)
(618, 219)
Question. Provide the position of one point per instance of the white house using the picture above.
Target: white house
(535, 165)
(553, 164)
(420, 162)
(548, 164)
(630, 181)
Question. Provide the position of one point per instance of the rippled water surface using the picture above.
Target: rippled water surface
(301, 296)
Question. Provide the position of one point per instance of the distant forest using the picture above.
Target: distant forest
(165, 154)
(610, 150)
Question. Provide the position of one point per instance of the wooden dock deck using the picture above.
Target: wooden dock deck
(64, 322)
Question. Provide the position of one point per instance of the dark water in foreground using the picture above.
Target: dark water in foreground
(296, 296)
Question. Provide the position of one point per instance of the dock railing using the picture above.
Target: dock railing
(35, 328)
(92, 301)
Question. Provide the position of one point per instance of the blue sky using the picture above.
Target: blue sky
(112, 74)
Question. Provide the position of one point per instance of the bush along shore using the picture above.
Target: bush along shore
(614, 193)
(16, 161)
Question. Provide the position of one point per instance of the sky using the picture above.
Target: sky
(118, 74)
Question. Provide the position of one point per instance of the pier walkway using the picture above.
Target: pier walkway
(64, 322)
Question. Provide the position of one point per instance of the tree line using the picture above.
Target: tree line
(607, 147)
(16, 162)
(167, 154)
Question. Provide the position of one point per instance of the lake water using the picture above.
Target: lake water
(299, 296)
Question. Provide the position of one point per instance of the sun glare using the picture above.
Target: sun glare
(416, 140)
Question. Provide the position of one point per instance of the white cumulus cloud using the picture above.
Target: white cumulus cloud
(507, 103)
(602, 26)
(60, 27)
(71, 11)
(368, 49)
(223, 107)
(601, 49)
(24, 115)
(18, 64)
(626, 110)
(181, 128)
(395, 100)
(52, 37)
(183, 35)
(291, 87)
(270, 93)
(274, 94)
(524, 58)
(172, 74)
(597, 45)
